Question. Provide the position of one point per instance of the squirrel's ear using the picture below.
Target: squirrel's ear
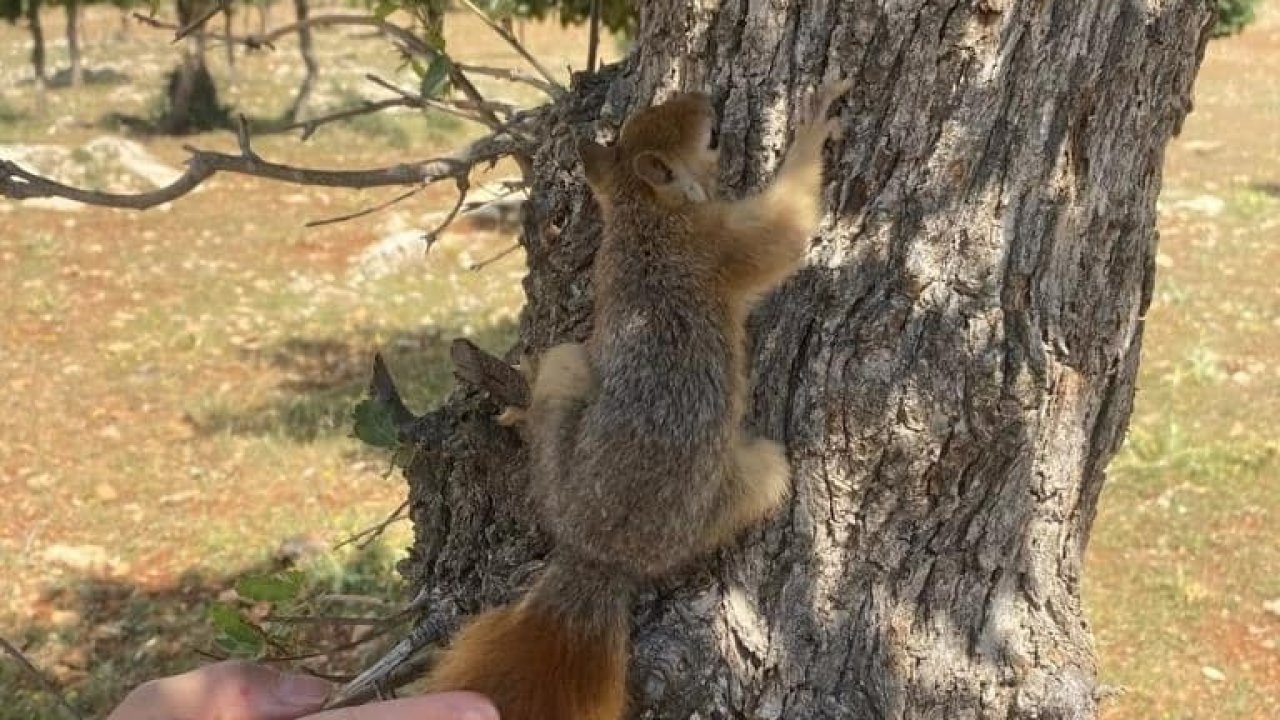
(651, 168)
(597, 160)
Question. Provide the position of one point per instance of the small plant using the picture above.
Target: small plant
(1232, 16)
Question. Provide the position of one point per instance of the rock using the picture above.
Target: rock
(1207, 205)
(134, 158)
(80, 558)
(390, 254)
(1212, 673)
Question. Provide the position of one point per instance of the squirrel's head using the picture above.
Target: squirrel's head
(667, 151)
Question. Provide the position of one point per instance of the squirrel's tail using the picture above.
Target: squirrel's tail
(560, 654)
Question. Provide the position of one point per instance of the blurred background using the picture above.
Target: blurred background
(177, 385)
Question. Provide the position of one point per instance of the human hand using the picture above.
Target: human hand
(244, 691)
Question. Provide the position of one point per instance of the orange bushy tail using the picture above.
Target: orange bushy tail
(560, 654)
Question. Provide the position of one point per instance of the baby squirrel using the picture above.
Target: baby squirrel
(639, 460)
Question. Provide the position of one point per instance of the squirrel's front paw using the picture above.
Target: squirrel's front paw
(813, 118)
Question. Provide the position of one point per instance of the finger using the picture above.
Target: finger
(228, 689)
(438, 706)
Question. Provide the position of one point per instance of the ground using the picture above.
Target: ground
(178, 383)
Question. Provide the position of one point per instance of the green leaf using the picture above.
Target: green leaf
(237, 635)
(373, 424)
(433, 80)
(270, 588)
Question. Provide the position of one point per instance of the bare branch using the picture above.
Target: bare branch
(558, 89)
(367, 211)
(372, 532)
(45, 683)
(482, 264)
(464, 185)
(309, 127)
(17, 183)
(410, 42)
(508, 74)
(323, 620)
(382, 672)
(420, 101)
(196, 24)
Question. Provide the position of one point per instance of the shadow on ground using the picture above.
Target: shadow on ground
(324, 377)
(95, 637)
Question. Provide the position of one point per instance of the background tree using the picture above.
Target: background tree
(950, 376)
(1233, 16)
(12, 10)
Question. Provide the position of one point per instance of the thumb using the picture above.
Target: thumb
(228, 689)
(434, 706)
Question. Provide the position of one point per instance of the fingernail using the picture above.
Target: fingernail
(302, 690)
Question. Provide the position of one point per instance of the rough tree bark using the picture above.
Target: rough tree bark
(950, 376)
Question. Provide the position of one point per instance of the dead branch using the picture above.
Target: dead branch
(196, 24)
(403, 36)
(482, 264)
(45, 683)
(557, 89)
(508, 74)
(19, 184)
(369, 534)
(366, 211)
(487, 119)
(309, 127)
(489, 373)
(389, 670)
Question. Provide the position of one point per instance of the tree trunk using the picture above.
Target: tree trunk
(73, 42)
(950, 375)
(307, 47)
(37, 43)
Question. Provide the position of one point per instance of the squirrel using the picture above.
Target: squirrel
(639, 461)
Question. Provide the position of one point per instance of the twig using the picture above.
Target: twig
(309, 127)
(194, 25)
(488, 120)
(464, 185)
(17, 183)
(478, 266)
(376, 530)
(366, 211)
(405, 37)
(45, 683)
(508, 74)
(322, 620)
(378, 674)
(558, 89)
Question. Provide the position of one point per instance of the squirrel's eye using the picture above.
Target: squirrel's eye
(713, 142)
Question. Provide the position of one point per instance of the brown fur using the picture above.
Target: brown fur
(534, 667)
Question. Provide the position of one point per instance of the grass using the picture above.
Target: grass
(1184, 554)
(177, 383)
